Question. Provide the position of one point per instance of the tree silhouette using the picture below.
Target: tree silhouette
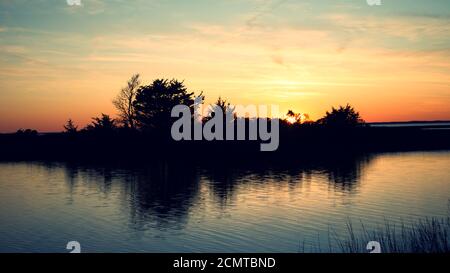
(27, 132)
(224, 106)
(293, 118)
(154, 102)
(104, 124)
(297, 118)
(70, 127)
(124, 102)
(344, 116)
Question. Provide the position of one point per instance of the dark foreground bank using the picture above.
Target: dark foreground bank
(294, 142)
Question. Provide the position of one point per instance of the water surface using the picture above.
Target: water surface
(168, 208)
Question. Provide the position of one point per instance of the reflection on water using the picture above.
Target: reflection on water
(169, 207)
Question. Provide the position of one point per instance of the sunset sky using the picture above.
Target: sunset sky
(392, 62)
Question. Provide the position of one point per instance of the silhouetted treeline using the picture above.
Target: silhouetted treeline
(295, 142)
(142, 132)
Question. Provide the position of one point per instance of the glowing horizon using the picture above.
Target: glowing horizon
(390, 62)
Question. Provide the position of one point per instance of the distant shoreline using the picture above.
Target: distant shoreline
(411, 122)
(438, 124)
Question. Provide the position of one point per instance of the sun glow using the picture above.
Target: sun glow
(291, 120)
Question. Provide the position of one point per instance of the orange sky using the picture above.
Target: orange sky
(391, 62)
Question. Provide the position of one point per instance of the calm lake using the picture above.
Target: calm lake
(168, 208)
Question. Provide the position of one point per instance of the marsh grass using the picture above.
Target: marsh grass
(429, 235)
